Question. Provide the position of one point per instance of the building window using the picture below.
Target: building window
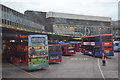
(5, 21)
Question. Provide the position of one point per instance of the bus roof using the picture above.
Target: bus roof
(106, 35)
(87, 36)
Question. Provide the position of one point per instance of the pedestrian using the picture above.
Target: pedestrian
(104, 59)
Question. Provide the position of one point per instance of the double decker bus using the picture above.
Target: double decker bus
(116, 45)
(78, 46)
(98, 44)
(55, 53)
(67, 48)
(29, 52)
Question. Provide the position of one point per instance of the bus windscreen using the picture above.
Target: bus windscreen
(70, 45)
(38, 39)
(54, 49)
(106, 38)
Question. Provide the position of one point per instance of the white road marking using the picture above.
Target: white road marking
(100, 69)
(79, 59)
(86, 58)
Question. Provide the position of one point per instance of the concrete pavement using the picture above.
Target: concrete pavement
(76, 66)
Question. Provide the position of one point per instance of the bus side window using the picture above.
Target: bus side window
(86, 39)
(51, 49)
(91, 39)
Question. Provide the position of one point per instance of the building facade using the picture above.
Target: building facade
(77, 25)
(72, 24)
(13, 19)
(116, 29)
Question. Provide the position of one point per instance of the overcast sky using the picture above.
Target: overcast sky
(107, 8)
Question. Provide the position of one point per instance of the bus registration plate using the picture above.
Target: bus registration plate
(70, 47)
(71, 50)
(39, 68)
(106, 51)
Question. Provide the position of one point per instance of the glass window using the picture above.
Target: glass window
(54, 55)
(107, 47)
(70, 45)
(38, 39)
(54, 49)
(85, 40)
(106, 40)
(91, 39)
(106, 37)
(96, 39)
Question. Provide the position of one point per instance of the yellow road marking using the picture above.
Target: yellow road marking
(31, 74)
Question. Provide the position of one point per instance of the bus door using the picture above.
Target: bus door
(37, 51)
(107, 45)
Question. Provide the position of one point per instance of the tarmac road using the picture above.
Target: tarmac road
(76, 66)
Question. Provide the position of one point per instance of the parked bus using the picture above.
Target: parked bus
(98, 44)
(55, 53)
(29, 52)
(78, 47)
(67, 48)
(116, 45)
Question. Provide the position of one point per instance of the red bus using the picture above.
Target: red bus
(29, 52)
(78, 46)
(55, 53)
(67, 48)
(98, 44)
